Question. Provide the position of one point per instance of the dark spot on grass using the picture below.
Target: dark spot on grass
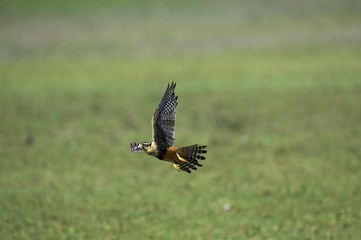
(28, 139)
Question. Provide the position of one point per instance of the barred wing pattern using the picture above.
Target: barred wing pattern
(163, 121)
(193, 154)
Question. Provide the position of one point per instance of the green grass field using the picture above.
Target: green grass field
(274, 90)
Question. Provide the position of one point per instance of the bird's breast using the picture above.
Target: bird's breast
(170, 154)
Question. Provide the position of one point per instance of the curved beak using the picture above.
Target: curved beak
(136, 147)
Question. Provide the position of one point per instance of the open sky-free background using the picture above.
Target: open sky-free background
(272, 87)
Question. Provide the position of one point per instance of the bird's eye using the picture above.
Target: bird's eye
(143, 145)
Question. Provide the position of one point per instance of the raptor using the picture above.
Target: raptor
(163, 137)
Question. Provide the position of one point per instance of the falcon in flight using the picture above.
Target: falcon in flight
(163, 134)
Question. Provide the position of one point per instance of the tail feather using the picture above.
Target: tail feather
(192, 154)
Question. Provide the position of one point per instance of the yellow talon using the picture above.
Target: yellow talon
(176, 166)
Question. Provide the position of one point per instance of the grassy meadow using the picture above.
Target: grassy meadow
(273, 89)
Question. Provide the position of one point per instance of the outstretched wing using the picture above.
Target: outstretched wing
(163, 121)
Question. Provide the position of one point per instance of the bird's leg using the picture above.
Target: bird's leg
(176, 166)
(180, 158)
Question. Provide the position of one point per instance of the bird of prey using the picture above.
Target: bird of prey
(163, 133)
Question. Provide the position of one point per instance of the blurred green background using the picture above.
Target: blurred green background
(273, 89)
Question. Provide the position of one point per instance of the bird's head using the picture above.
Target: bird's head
(140, 147)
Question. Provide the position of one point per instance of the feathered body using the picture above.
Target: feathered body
(163, 137)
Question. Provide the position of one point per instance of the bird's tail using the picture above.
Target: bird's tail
(191, 154)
